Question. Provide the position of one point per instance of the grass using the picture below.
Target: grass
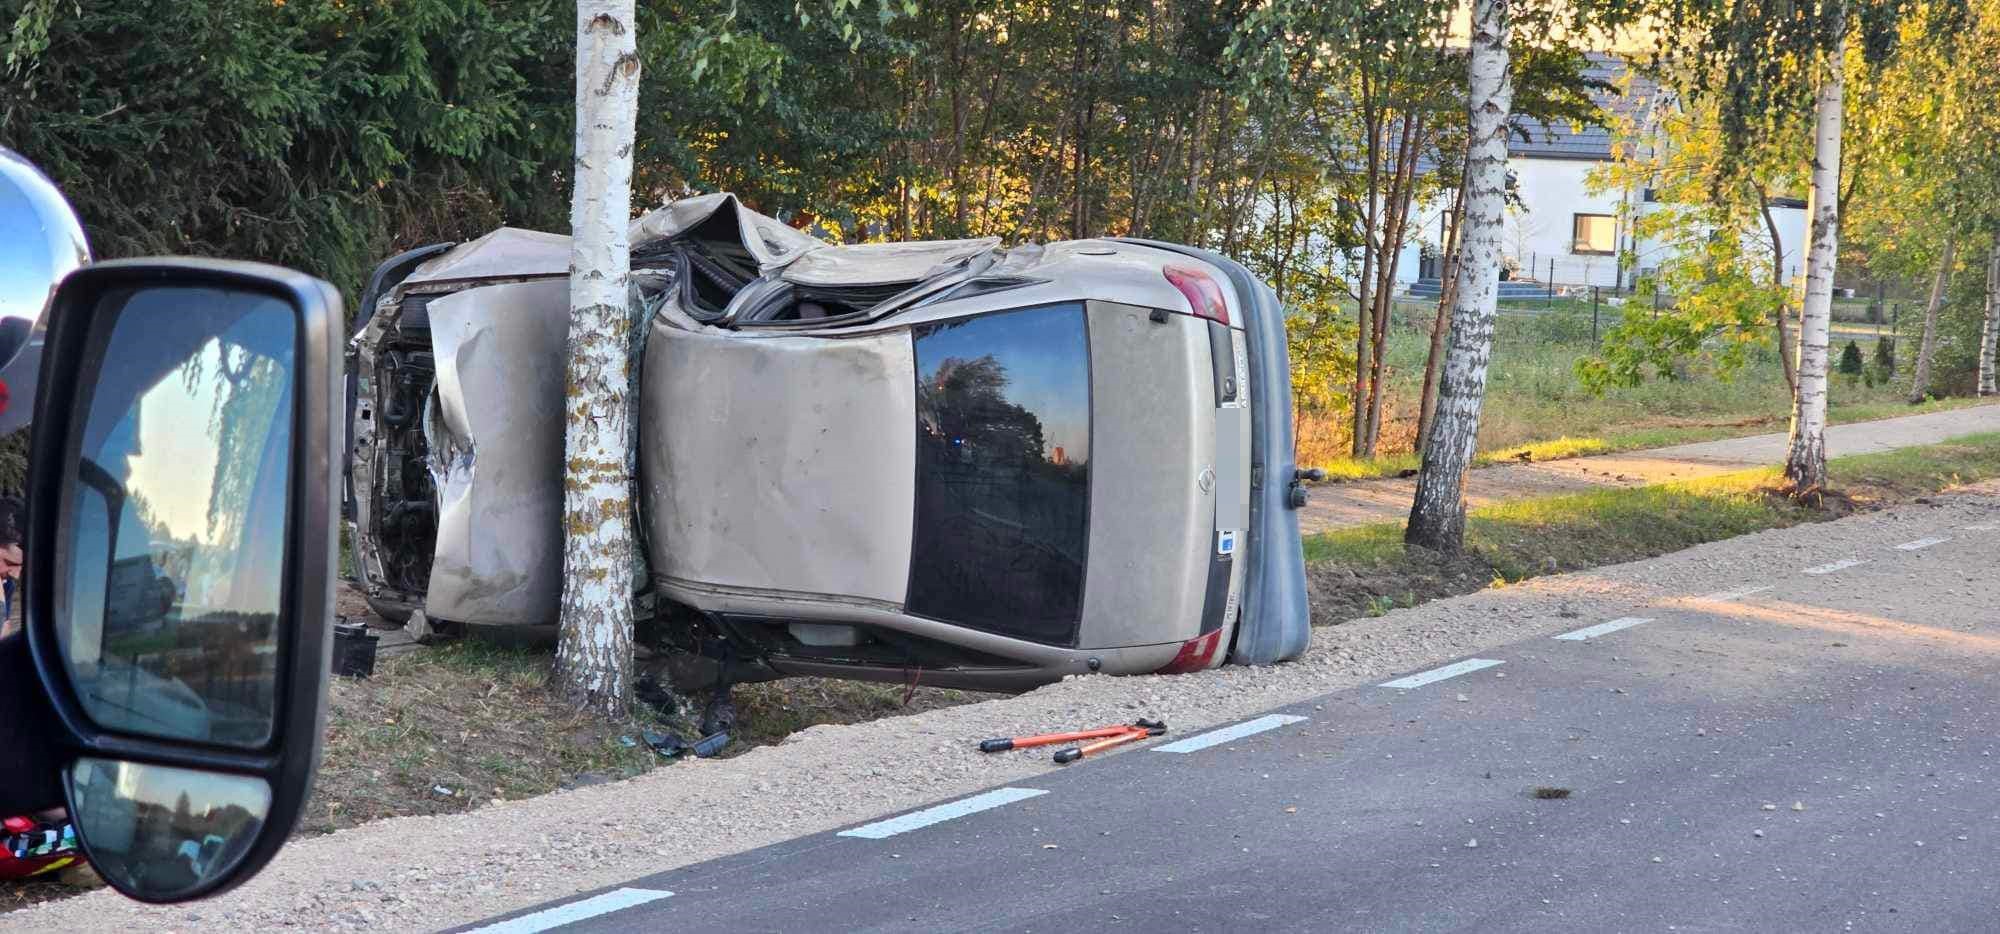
(478, 721)
(472, 719)
(1537, 410)
(1366, 570)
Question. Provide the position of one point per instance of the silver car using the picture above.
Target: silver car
(944, 462)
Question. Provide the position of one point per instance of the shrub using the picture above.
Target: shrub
(1850, 360)
(1885, 357)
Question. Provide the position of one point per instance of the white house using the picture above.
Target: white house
(1563, 233)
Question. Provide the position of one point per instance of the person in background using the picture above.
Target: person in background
(10, 564)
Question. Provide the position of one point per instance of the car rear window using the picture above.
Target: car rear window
(1003, 472)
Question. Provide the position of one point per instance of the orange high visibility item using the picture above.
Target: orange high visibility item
(1106, 738)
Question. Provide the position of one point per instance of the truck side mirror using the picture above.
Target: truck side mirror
(182, 494)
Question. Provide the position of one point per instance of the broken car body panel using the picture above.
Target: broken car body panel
(495, 431)
(432, 530)
(948, 462)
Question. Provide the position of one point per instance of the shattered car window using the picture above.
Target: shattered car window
(1003, 472)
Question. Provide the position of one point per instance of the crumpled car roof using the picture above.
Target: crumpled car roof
(507, 253)
(770, 240)
(514, 253)
(883, 263)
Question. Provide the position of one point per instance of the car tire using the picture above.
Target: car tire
(393, 612)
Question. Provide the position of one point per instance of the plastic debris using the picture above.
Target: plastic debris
(667, 745)
(711, 746)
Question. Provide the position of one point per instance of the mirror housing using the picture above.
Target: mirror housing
(107, 757)
(44, 244)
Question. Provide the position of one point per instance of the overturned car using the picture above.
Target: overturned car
(947, 462)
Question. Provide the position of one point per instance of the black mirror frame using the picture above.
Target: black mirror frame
(288, 761)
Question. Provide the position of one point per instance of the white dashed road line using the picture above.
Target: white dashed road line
(917, 820)
(1605, 629)
(1840, 565)
(1229, 733)
(1724, 596)
(1923, 543)
(573, 912)
(1982, 527)
(1435, 675)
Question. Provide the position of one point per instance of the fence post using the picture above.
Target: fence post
(1593, 314)
(1552, 282)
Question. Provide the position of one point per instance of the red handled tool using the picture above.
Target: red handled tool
(1105, 738)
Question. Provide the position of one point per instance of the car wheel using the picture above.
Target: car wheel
(393, 612)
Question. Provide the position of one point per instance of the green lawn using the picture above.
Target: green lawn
(1536, 406)
(1367, 569)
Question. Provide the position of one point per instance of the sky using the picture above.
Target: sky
(175, 471)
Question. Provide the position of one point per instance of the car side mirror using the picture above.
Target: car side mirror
(182, 497)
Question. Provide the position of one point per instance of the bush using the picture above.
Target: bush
(1885, 357)
(1850, 360)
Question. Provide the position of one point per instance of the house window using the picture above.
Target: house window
(1595, 234)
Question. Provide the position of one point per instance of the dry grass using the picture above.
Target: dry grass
(479, 722)
(1366, 570)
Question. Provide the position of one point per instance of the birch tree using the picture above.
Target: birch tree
(1805, 458)
(1989, 334)
(594, 650)
(1437, 516)
(1920, 380)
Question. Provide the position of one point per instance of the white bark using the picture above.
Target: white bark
(1805, 464)
(1437, 516)
(594, 652)
(1989, 336)
(1920, 381)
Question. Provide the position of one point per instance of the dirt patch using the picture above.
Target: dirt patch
(1342, 591)
(769, 712)
(34, 891)
(349, 602)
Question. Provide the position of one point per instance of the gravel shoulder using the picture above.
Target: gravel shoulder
(433, 872)
(1344, 505)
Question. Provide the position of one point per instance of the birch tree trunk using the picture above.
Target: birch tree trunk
(1447, 285)
(1989, 336)
(1920, 381)
(594, 651)
(1437, 516)
(1805, 463)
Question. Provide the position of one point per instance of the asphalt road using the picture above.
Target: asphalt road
(1818, 755)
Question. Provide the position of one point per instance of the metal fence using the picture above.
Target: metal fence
(1575, 313)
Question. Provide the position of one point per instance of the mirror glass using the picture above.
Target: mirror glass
(159, 832)
(173, 558)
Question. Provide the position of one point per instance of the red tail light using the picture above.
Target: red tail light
(1204, 295)
(1195, 654)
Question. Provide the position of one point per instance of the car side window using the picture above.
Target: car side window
(1003, 472)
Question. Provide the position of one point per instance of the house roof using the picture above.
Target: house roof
(1539, 139)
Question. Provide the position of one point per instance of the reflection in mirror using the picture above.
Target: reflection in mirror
(159, 832)
(176, 542)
